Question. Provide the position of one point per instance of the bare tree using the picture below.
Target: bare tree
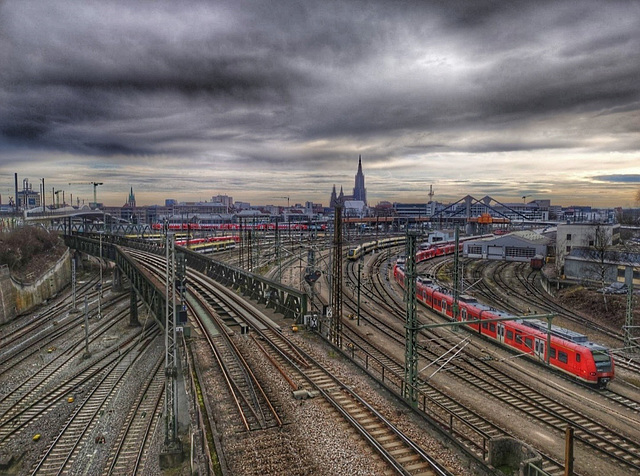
(600, 243)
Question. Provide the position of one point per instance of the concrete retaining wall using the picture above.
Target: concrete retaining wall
(17, 297)
(7, 296)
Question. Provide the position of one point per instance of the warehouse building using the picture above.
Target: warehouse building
(518, 246)
(594, 266)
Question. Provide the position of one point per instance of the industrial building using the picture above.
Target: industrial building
(584, 235)
(518, 246)
(594, 266)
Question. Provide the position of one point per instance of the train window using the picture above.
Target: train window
(528, 342)
(485, 325)
(518, 338)
(492, 327)
(577, 357)
(464, 314)
(563, 357)
(509, 334)
(552, 353)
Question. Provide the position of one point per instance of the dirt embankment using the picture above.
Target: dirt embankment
(612, 312)
(30, 251)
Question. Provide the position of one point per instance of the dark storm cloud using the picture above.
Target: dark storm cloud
(628, 178)
(256, 82)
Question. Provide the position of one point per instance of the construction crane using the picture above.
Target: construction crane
(286, 198)
(95, 186)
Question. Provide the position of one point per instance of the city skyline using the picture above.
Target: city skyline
(264, 100)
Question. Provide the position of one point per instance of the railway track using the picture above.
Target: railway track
(533, 296)
(55, 370)
(133, 441)
(399, 452)
(18, 329)
(470, 428)
(61, 454)
(601, 440)
(540, 299)
(34, 337)
(255, 410)
(41, 398)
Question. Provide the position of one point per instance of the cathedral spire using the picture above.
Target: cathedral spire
(359, 192)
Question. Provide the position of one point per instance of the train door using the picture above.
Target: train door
(500, 333)
(539, 348)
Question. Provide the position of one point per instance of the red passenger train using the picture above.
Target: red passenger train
(182, 226)
(571, 352)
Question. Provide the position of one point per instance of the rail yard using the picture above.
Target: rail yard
(82, 390)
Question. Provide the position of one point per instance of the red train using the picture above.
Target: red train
(571, 353)
(236, 227)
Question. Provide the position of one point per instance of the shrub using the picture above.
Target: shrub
(19, 246)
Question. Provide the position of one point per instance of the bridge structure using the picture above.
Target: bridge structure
(68, 221)
(285, 300)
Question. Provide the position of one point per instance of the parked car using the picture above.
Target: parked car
(614, 288)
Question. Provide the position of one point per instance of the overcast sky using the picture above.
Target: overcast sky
(258, 100)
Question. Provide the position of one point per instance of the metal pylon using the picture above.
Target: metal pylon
(411, 323)
(170, 400)
(335, 332)
(456, 276)
(630, 343)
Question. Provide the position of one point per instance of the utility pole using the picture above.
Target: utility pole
(359, 273)
(335, 331)
(568, 451)
(456, 277)
(87, 354)
(73, 280)
(411, 323)
(170, 400)
(100, 283)
(278, 256)
(630, 342)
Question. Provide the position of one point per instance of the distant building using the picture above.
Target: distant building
(226, 200)
(518, 246)
(583, 235)
(355, 208)
(27, 198)
(413, 209)
(592, 265)
(359, 190)
(131, 200)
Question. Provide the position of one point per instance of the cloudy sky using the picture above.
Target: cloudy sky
(265, 99)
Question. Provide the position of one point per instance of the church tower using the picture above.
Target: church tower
(359, 192)
(131, 201)
(334, 197)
